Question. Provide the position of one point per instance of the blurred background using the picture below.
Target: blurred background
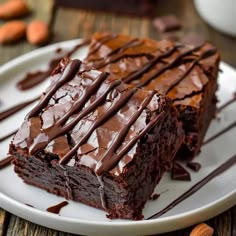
(67, 22)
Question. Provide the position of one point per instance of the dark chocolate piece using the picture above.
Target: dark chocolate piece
(221, 169)
(7, 136)
(97, 140)
(5, 162)
(179, 173)
(167, 23)
(56, 209)
(194, 165)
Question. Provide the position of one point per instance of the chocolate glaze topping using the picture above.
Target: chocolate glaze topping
(98, 92)
(69, 73)
(179, 173)
(56, 209)
(32, 79)
(228, 164)
(7, 136)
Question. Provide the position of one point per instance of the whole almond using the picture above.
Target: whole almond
(13, 9)
(37, 32)
(12, 31)
(202, 230)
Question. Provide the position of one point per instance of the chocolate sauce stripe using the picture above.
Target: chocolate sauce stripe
(58, 130)
(56, 208)
(100, 42)
(215, 136)
(116, 106)
(84, 98)
(121, 48)
(68, 74)
(32, 79)
(107, 163)
(225, 166)
(222, 107)
(11, 111)
(7, 136)
(169, 66)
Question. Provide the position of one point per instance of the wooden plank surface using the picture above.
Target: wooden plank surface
(72, 23)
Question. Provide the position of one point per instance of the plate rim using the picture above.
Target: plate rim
(10, 202)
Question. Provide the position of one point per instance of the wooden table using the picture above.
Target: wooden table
(68, 24)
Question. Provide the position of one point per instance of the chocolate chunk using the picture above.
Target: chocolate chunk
(193, 39)
(179, 173)
(194, 166)
(170, 36)
(167, 23)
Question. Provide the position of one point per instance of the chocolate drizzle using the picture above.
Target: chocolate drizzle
(179, 173)
(69, 73)
(188, 54)
(32, 79)
(5, 162)
(138, 73)
(217, 135)
(205, 54)
(57, 130)
(11, 111)
(56, 209)
(228, 164)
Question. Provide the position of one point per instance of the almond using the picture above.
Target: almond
(13, 9)
(12, 31)
(202, 230)
(37, 32)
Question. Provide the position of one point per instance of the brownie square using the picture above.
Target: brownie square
(185, 73)
(97, 140)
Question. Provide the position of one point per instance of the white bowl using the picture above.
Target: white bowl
(220, 14)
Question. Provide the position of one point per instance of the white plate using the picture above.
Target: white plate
(215, 197)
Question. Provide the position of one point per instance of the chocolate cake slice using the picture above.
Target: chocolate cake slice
(97, 141)
(186, 74)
